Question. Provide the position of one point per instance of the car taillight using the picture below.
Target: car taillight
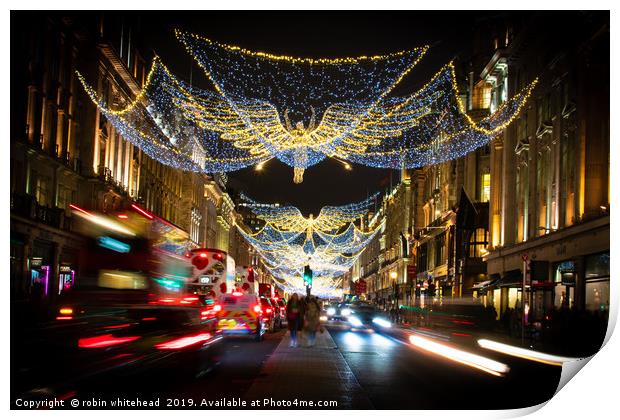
(167, 300)
(183, 342)
(189, 300)
(106, 340)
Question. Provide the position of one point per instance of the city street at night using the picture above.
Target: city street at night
(244, 210)
(360, 370)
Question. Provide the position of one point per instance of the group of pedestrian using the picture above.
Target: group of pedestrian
(303, 315)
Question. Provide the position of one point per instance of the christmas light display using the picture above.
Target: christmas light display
(329, 244)
(289, 218)
(154, 122)
(301, 111)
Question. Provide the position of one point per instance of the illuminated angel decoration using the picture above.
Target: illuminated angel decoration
(289, 218)
(329, 243)
(301, 111)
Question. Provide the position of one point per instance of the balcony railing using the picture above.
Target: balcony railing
(27, 206)
(65, 158)
(105, 174)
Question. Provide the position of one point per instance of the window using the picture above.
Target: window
(478, 242)
(512, 297)
(485, 188)
(41, 190)
(481, 98)
(597, 282)
(440, 249)
(65, 197)
(422, 257)
(564, 279)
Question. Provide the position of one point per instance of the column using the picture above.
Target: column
(495, 204)
(60, 129)
(31, 117)
(471, 172)
(596, 147)
(509, 193)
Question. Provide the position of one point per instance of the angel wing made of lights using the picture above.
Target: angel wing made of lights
(202, 130)
(289, 218)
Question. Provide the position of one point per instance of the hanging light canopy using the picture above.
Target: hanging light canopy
(329, 243)
(301, 111)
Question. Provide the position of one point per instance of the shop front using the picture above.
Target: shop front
(66, 278)
(597, 283)
(41, 271)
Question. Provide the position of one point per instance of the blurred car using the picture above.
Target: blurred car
(271, 313)
(96, 332)
(337, 311)
(282, 306)
(277, 312)
(242, 314)
(367, 317)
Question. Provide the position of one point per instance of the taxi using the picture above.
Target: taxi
(241, 314)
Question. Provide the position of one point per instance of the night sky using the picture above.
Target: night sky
(315, 34)
(310, 34)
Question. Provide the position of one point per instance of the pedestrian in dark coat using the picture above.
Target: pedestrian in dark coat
(294, 317)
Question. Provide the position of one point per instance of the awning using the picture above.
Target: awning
(481, 284)
(492, 282)
(512, 278)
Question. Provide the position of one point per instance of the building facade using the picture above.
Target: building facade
(64, 151)
(549, 207)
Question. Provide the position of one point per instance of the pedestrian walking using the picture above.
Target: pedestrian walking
(312, 321)
(294, 317)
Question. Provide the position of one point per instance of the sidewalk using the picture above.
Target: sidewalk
(314, 374)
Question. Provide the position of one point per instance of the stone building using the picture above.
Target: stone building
(549, 208)
(64, 151)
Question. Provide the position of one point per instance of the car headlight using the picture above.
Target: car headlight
(331, 311)
(355, 321)
(382, 322)
(346, 312)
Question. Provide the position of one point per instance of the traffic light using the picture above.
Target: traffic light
(307, 276)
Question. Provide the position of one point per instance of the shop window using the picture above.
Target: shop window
(497, 302)
(597, 296)
(597, 282)
(513, 296)
(564, 290)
